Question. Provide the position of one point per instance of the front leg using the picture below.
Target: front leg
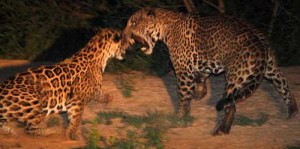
(94, 87)
(74, 111)
(226, 110)
(186, 87)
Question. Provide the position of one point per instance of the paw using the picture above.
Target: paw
(225, 119)
(220, 130)
(8, 130)
(42, 131)
(105, 98)
(184, 108)
(292, 111)
(182, 113)
(72, 136)
(51, 131)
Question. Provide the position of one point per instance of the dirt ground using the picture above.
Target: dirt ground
(159, 94)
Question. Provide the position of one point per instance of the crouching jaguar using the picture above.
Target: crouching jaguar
(200, 46)
(67, 86)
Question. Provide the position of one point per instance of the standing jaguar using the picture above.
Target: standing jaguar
(200, 46)
(67, 86)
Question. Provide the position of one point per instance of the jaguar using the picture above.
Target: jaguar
(28, 97)
(200, 46)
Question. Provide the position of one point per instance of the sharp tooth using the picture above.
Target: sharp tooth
(143, 48)
(131, 41)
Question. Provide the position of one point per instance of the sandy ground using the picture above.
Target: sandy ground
(159, 94)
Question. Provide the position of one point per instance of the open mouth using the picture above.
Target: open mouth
(145, 46)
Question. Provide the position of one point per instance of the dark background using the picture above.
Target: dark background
(52, 30)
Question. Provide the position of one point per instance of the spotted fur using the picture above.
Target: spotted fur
(199, 46)
(64, 87)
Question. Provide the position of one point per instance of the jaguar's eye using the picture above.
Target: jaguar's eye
(133, 23)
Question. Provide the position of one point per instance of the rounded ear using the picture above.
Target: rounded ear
(150, 11)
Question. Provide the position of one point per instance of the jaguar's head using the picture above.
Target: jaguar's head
(143, 27)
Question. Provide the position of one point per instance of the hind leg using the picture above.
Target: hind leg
(33, 121)
(226, 107)
(238, 87)
(279, 81)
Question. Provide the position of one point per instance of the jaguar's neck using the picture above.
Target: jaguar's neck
(93, 55)
(168, 25)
